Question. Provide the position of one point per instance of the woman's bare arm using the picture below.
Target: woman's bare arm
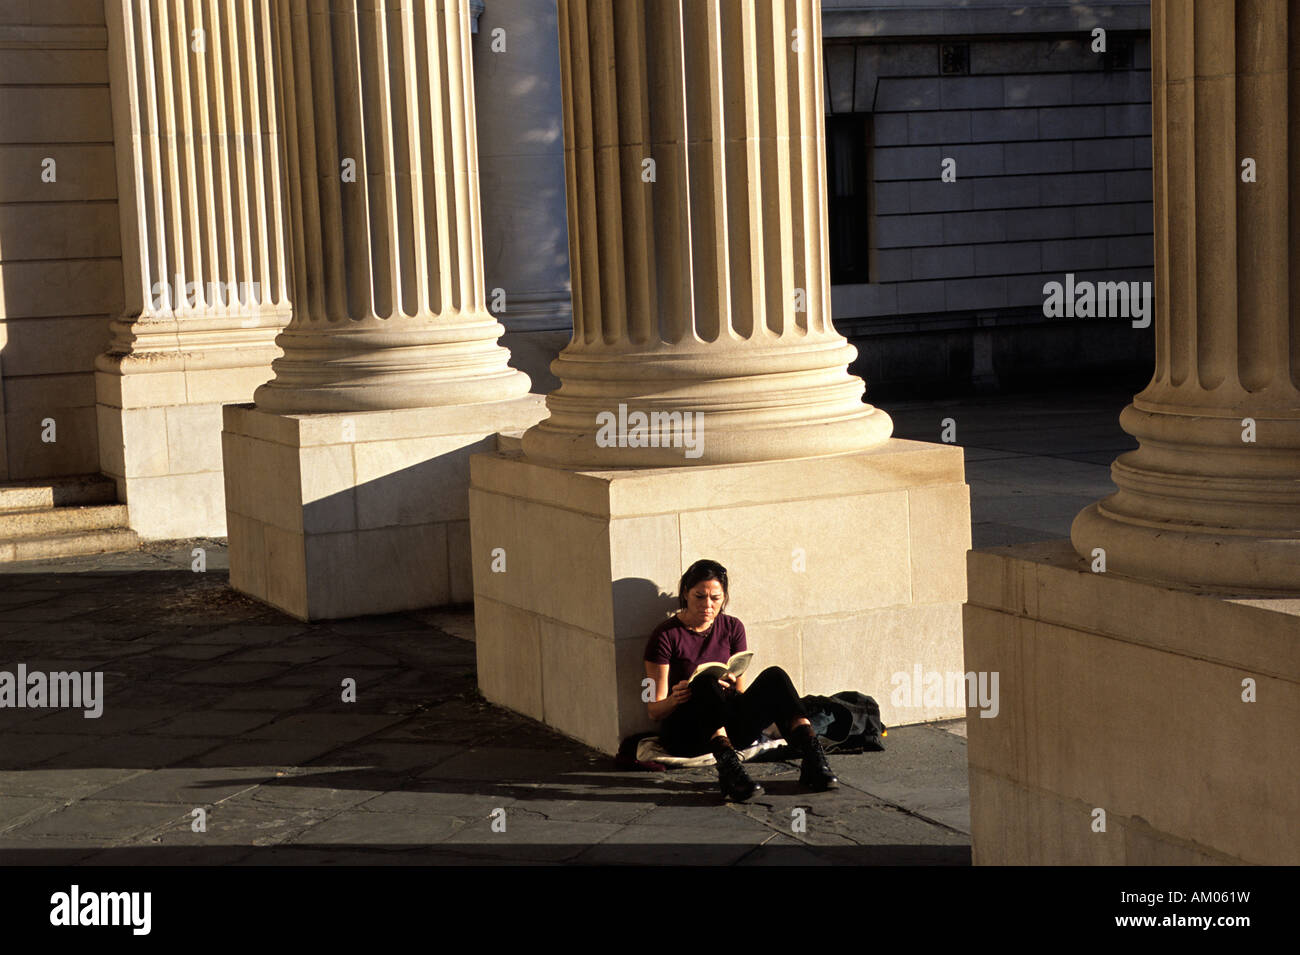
(665, 701)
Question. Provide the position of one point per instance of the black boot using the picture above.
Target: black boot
(732, 778)
(815, 774)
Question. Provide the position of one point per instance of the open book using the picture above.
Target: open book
(737, 665)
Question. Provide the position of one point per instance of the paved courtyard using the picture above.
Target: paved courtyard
(214, 702)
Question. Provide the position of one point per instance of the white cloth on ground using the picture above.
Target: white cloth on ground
(650, 750)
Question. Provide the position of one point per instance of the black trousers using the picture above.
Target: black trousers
(771, 698)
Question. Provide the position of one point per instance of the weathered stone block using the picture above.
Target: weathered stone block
(1129, 697)
(338, 515)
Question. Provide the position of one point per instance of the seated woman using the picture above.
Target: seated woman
(706, 714)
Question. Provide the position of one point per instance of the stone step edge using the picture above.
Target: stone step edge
(28, 522)
(45, 546)
(77, 491)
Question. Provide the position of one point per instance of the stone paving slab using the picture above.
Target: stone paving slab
(252, 823)
(136, 751)
(536, 840)
(140, 854)
(208, 723)
(338, 727)
(329, 790)
(923, 769)
(274, 754)
(92, 822)
(16, 811)
(61, 784)
(290, 652)
(192, 786)
(446, 800)
(22, 750)
(170, 699)
(358, 827)
(393, 757)
(651, 845)
(278, 699)
(328, 675)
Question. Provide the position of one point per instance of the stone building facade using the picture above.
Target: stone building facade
(940, 283)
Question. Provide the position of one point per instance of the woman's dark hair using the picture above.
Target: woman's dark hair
(698, 573)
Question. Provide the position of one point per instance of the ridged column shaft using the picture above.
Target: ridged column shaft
(1211, 498)
(204, 250)
(695, 164)
(389, 306)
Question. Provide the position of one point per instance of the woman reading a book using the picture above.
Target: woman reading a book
(697, 659)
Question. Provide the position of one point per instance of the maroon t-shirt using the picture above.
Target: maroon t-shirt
(683, 649)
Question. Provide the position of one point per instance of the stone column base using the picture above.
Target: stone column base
(845, 570)
(1127, 697)
(159, 427)
(338, 515)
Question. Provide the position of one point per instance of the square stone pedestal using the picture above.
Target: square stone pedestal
(339, 515)
(160, 437)
(1126, 697)
(846, 571)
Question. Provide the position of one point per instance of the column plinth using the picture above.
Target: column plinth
(1211, 498)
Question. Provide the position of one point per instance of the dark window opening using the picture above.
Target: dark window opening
(848, 195)
(954, 59)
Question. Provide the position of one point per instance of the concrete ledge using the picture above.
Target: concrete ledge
(1127, 697)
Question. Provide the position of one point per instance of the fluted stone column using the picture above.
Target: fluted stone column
(390, 310)
(1212, 496)
(702, 336)
(348, 479)
(521, 172)
(204, 250)
(695, 150)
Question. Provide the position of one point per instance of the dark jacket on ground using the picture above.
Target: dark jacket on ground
(850, 720)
